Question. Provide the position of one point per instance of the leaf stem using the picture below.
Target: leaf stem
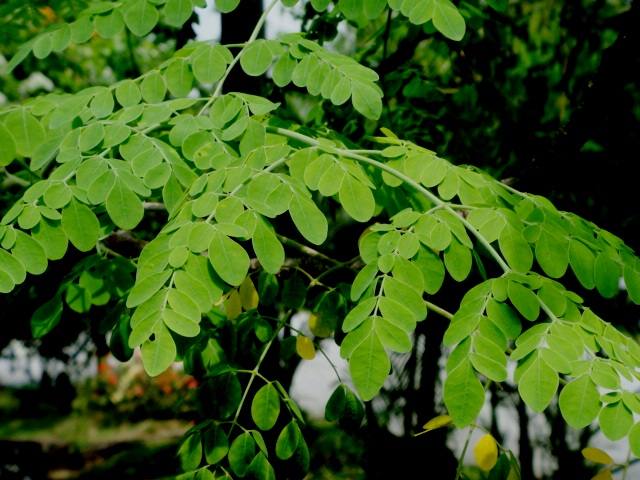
(307, 250)
(13, 180)
(254, 372)
(439, 310)
(407, 180)
(464, 452)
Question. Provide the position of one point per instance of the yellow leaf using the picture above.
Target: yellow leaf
(233, 305)
(603, 475)
(305, 348)
(48, 13)
(438, 422)
(486, 452)
(318, 326)
(596, 455)
(248, 295)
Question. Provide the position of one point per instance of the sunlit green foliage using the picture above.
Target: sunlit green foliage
(242, 187)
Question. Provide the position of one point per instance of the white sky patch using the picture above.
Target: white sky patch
(280, 20)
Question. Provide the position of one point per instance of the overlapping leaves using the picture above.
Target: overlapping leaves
(107, 19)
(224, 173)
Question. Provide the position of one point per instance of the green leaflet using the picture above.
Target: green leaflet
(579, 402)
(552, 254)
(227, 394)
(153, 88)
(27, 132)
(440, 237)
(392, 336)
(505, 318)
(369, 366)
(407, 296)
(448, 20)
(147, 287)
(109, 25)
(13, 270)
(46, 317)
(538, 385)
(178, 12)
(124, 206)
(359, 314)
(556, 360)
(463, 394)
(357, 199)
(320, 5)
(226, 6)
(515, 249)
(407, 271)
(396, 313)
(30, 253)
(283, 70)
(488, 222)
(288, 439)
(385, 262)
(172, 193)
(90, 137)
(9, 150)
(77, 298)
(303, 71)
(450, 185)
(458, 260)
(208, 65)
(373, 8)
(419, 12)
(352, 9)
(634, 439)
(228, 259)
(29, 217)
(140, 17)
(366, 99)
(242, 451)
(145, 319)
(632, 283)
(268, 248)
(606, 275)
(256, 58)
(265, 407)
(190, 452)
(82, 29)
(128, 93)
(179, 323)
(336, 404)
(188, 284)
(461, 327)
(524, 300)
(331, 179)
(308, 218)
(432, 269)
(158, 354)
(489, 359)
(260, 467)
(554, 298)
(216, 444)
(115, 135)
(605, 376)
(69, 108)
(102, 104)
(179, 77)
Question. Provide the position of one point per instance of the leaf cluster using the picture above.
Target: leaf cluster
(247, 194)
